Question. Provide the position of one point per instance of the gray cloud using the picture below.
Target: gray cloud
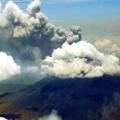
(29, 37)
(31, 28)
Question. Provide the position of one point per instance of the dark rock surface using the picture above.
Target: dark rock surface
(73, 99)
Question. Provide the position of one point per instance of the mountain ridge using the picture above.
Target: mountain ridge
(73, 99)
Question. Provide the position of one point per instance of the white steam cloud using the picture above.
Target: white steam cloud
(34, 7)
(2, 118)
(52, 116)
(80, 59)
(8, 67)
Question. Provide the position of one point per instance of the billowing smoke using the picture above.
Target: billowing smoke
(52, 116)
(32, 28)
(8, 67)
(29, 37)
(80, 59)
(34, 7)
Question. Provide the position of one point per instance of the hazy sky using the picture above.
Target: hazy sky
(79, 10)
(100, 16)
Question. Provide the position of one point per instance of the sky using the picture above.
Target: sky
(99, 17)
(77, 11)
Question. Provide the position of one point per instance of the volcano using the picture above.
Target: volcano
(73, 99)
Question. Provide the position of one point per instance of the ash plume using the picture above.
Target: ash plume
(32, 40)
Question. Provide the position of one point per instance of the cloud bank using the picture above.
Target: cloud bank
(80, 59)
(8, 67)
(108, 46)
